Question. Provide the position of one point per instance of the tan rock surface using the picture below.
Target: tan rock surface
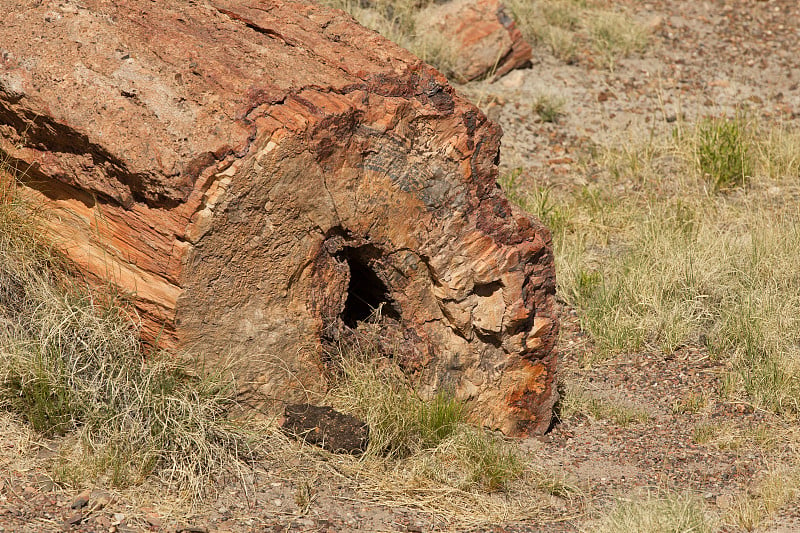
(259, 175)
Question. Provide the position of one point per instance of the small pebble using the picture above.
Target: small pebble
(153, 520)
(73, 519)
(193, 529)
(81, 499)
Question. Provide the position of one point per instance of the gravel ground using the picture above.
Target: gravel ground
(705, 58)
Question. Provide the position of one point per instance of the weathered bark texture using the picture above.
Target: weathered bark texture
(260, 174)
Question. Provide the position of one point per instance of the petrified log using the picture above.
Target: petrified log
(261, 175)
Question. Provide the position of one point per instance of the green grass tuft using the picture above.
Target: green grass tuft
(692, 403)
(549, 108)
(493, 462)
(438, 419)
(406, 429)
(724, 153)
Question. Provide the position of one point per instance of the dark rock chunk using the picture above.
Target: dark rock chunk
(326, 427)
(81, 499)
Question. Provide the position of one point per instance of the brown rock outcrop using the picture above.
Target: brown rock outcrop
(261, 175)
(487, 41)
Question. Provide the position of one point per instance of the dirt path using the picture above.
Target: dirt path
(705, 58)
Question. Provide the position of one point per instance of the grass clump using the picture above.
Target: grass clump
(401, 423)
(553, 23)
(774, 490)
(570, 27)
(438, 419)
(71, 363)
(471, 459)
(778, 153)
(668, 513)
(723, 152)
(692, 403)
(616, 35)
(549, 108)
(730, 436)
(706, 432)
(430, 436)
(540, 202)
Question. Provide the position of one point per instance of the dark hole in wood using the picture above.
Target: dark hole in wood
(487, 289)
(366, 292)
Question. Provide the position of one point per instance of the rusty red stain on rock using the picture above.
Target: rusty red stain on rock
(527, 394)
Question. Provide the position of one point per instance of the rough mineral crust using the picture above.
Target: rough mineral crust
(260, 176)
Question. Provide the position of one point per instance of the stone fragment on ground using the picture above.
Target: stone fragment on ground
(192, 529)
(81, 499)
(324, 426)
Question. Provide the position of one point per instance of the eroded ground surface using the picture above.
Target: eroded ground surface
(705, 58)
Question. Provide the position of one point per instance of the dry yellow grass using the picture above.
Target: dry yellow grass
(769, 493)
(666, 260)
(568, 26)
(71, 364)
(657, 513)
